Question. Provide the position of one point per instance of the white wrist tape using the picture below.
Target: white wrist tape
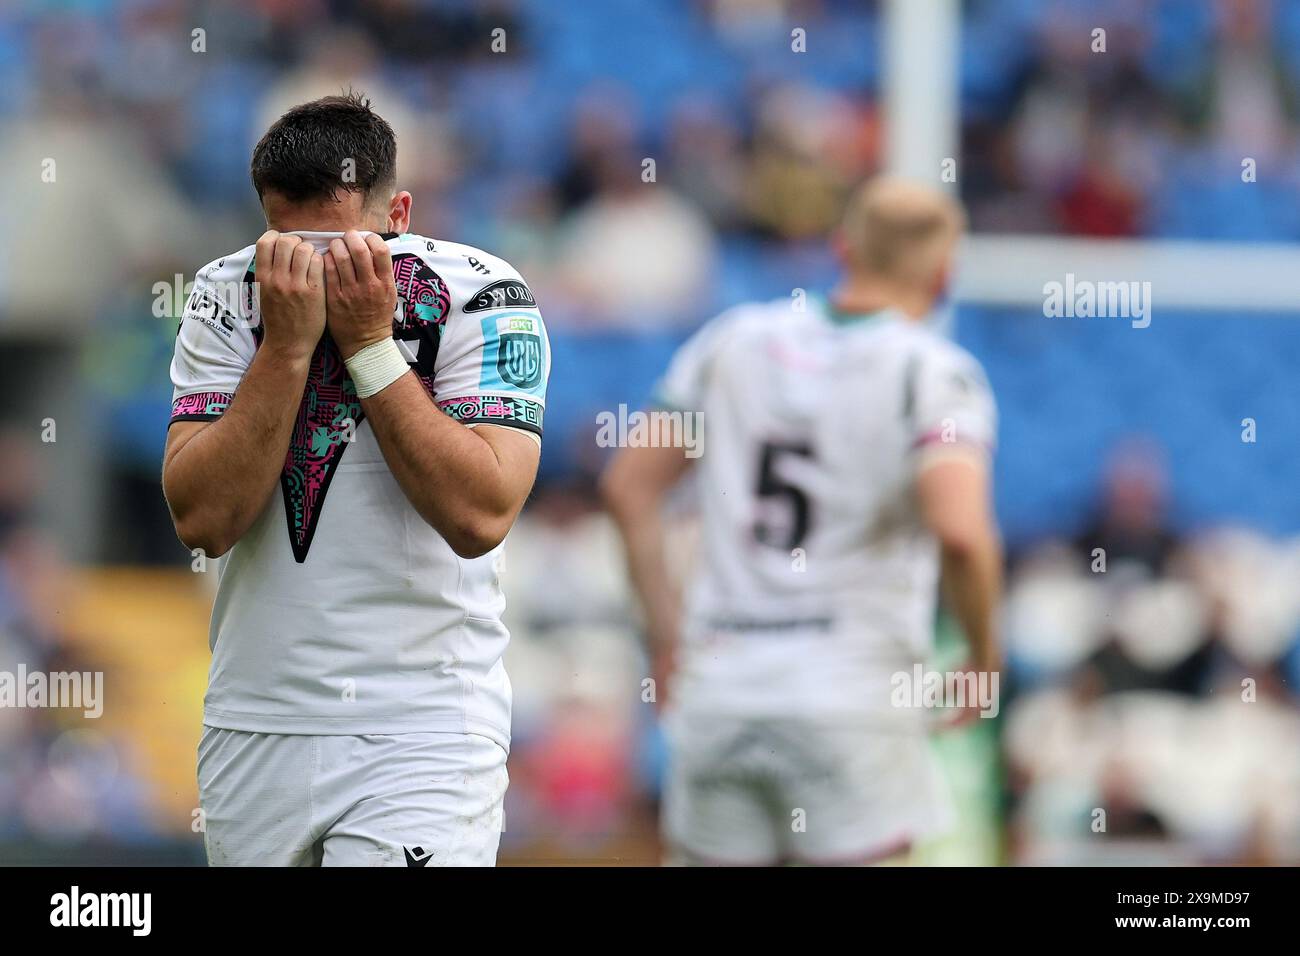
(376, 367)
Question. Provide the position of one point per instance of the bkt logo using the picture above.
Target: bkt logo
(519, 359)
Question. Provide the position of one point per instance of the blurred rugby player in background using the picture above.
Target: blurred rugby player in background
(846, 463)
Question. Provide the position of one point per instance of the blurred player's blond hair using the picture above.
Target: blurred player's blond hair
(900, 231)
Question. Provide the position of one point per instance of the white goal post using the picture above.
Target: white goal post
(1213, 276)
(922, 107)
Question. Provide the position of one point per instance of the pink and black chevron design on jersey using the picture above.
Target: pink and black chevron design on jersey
(423, 295)
(516, 410)
(423, 304)
(200, 407)
(331, 412)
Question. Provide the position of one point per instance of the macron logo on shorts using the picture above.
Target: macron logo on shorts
(416, 856)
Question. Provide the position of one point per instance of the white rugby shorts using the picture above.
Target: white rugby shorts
(761, 791)
(412, 799)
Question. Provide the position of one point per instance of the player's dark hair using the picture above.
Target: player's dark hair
(318, 148)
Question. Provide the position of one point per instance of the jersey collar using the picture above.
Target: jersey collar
(320, 241)
(841, 317)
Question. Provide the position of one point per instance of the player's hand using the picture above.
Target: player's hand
(955, 717)
(663, 666)
(361, 293)
(290, 293)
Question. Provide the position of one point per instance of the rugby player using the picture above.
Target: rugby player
(356, 423)
(846, 463)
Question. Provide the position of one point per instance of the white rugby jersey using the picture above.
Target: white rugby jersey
(341, 611)
(816, 579)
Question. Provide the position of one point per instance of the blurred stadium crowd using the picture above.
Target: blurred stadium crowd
(1125, 684)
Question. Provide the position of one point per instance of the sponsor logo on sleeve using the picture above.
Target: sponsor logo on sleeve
(206, 308)
(502, 294)
(519, 359)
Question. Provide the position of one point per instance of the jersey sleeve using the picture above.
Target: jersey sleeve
(684, 382)
(213, 350)
(494, 358)
(952, 403)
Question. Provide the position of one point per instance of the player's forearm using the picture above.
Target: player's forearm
(641, 530)
(953, 496)
(451, 475)
(972, 579)
(219, 481)
(644, 549)
(634, 486)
